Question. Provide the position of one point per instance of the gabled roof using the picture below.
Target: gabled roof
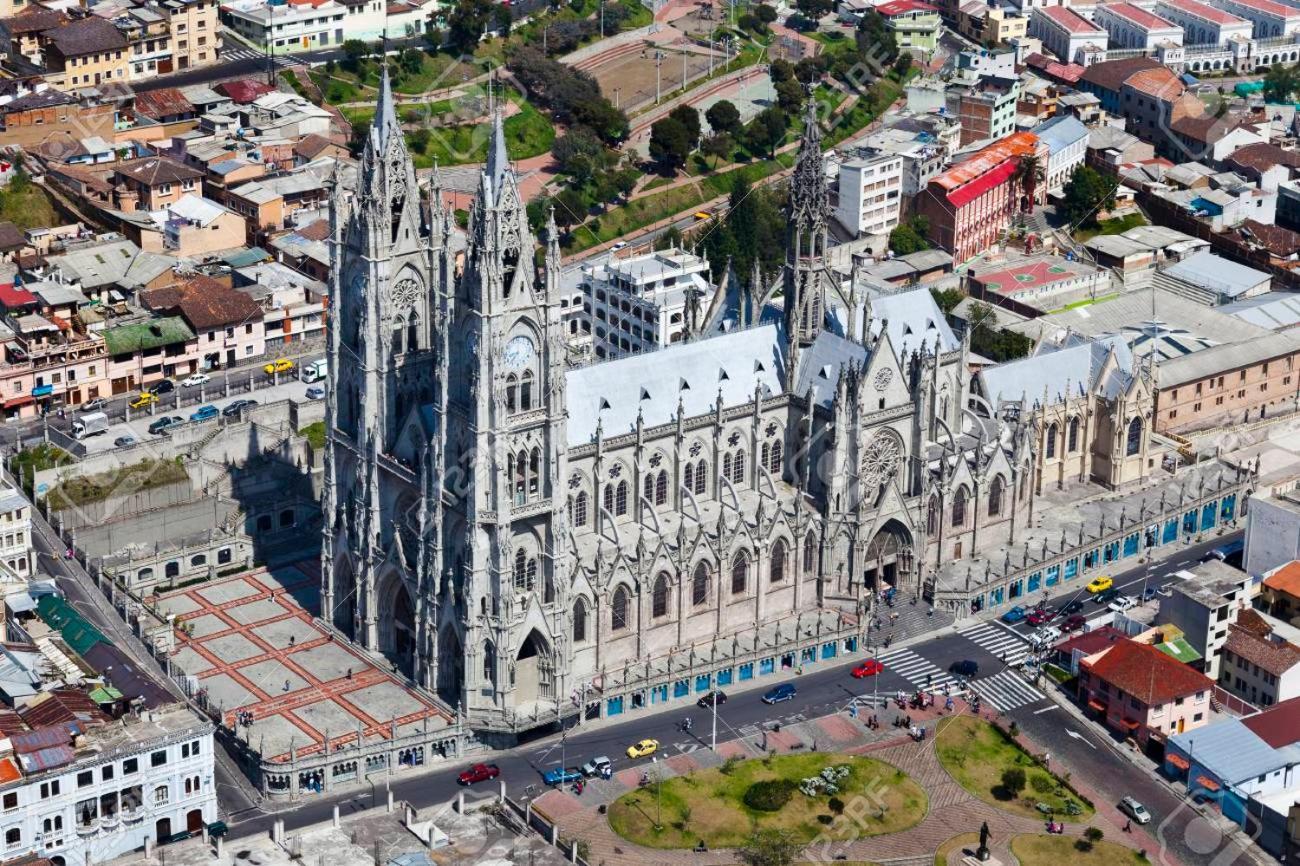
(1079, 366)
(36, 20)
(1285, 579)
(1261, 156)
(205, 303)
(1061, 132)
(1279, 725)
(163, 102)
(1276, 657)
(1146, 673)
(91, 35)
(245, 90)
(150, 334)
(1111, 74)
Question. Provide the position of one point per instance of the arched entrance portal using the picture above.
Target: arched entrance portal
(397, 623)
(194, 821)
(534, 670)
(888, 561)
(451, 666)
(163, 830)
(345, 597)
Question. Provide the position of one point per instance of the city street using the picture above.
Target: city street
(1087, 752)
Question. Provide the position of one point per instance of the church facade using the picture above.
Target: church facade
(507, 529)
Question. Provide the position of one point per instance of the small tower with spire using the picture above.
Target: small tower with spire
(805, 277)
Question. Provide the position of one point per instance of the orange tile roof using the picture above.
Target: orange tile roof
(9, 771)
(1286, 579)
(1014, 145)
(1159, 82)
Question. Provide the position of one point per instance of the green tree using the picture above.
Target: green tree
(904, 240)
(766, 131)
(467, 23)
(419, 139)
(1087, 192)
(354, 55)
(947, 299)
(670, 143)
(768, 848)
(875, 40)
(570, 208)
(723, 116)
(815, 8)
(789, 96)
(780, 70)
(1029, 173)
(503, 20)
(689, 117)
(718, 145)
(1013, 781)
(579, 152)
(765, 13)
(1280, 82)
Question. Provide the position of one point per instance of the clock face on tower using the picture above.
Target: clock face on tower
(518, 353)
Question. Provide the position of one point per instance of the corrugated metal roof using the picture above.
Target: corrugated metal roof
(1217, 274)
(1231, 751)
(47, 759)
(41, 738)
(1232, 356)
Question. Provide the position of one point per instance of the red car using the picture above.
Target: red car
(1074, 622)
(480, 773)
(868, 668)
(1040, 616)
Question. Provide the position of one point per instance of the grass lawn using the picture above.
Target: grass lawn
(314, 434)
(26, 205)
(1112, 227)
(975, 754)
(1086, 302)
(435, 72)
(336, 91)
(128, 479)
(1035, 850)
(26, 463)
(709, 804)
(950, 853)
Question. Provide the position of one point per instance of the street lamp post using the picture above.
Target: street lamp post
(659, 799)
(713, 738)
(659, 62)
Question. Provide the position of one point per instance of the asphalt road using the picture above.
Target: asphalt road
(825, 690)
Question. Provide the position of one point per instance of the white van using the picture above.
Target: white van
(315, 371)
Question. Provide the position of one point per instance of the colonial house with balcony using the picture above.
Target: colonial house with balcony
(1142, 693)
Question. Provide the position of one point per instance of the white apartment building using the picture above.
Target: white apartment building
(107, 791)
(639, 303)
(1067, 145)
(871, 189)
(1203, 24)
(925, 142)
(1204, 604)
(288, 27)
(1264, 670)
(1068, 35)
(1132, 27)
(16, 532)
(1271, 19)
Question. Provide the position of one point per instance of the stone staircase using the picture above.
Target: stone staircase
(913, 621)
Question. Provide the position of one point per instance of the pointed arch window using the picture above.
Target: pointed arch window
(618, 610)
(530, 575)
(701, 470)
(739, 573)
(620, 499)
(521, 478)
(1133, 441)
(726, 465)
(580, 509)
(1072, 444)
(766, 453)
(661, 488)
(659, 600)
(397, 339)
(774, 466)
(809, 554)
(777, 571)
(996, 490)
(579, 621)
(700, 584)
(1052, 433)
(534, 472)
(932, 516)
(688, 477)
(512, 393)
(413, 333)
(609, 498)
(959, 507)
(738, 468)
(526, 391)
(648, 488)
(489, 662)
(521, 564)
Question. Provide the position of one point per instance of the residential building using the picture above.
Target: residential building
(1132, 27)
(146, 350)
(148, 40)
(26, 29)
(195, 31)
(1068, 35)
(1205, 603)
(970, 204)
(293, 305)
(1271, 20)
(924, 142)
(1204, 24)
(164, 105)
(640, 303)
(1264, 164)
(153, 183)
(190, 227)
(46, 114)
(227, 323)
(1142, 693)
(86, 53)
(871, 188)
(991, 25)
(987, 109)
(1279, 594)
(1257, 664)
(916, 25)
(270, 203)
(107, 264)
(16, 549)
(301, 25)
(1067, 146)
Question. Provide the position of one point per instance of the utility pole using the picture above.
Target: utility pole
(659, 798)
(602, 19)
(713, 739)
(659, 62)
(683, 70)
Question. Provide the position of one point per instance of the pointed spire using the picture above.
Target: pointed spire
(385, 122)
(498, 161)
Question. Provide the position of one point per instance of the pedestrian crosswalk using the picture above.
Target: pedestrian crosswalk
(920, 672)
(1002, 643)
(244, 53)
(1006, 690)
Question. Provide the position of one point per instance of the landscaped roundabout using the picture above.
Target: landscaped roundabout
(806, 796)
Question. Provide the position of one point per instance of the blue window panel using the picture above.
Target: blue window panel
(1035, 581)
(1208, 513)
(1229, 509)
(1090, 558)
(1171, 531)
(1110, 552)
(1017, 588)
(766, 666)
(724, 677)
(1189, 522)
(659, 694)
(614, 706)
(681, 688)
(1131, 545)
(1053, 575)
(808, 654)
(747, 671)
(1071, 568)
(828, 650)
(1151, 535)
(703, 683)
(850, 644)
(977, 603)
(995, 597)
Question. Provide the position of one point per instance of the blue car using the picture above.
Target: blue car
(1016, 614)
(777, 694)
(561, 777)
(205, 413)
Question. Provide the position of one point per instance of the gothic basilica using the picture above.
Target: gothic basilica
(505, 528)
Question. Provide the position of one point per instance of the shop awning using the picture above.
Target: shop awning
(22, 400)
(1097, 705)
(1207, 783)
(1176, 760)
(1131, 724)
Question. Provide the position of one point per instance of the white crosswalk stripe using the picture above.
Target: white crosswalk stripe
(243, 53)
(997, 640)
(1006, 691)
(920, 672)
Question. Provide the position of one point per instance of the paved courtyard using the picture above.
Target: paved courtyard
(254, 645)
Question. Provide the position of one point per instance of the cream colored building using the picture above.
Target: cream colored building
(86, 53)
(195, 35)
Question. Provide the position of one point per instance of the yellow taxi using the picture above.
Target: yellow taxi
(279, 365)
(145, 399)
(1100, 584)
(643, 749)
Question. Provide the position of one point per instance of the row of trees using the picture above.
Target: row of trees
(679, 133)
(572, 96)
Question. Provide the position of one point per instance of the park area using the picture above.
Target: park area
(989, 764)
(723, 805)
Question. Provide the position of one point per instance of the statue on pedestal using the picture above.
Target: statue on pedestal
(982, 852)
